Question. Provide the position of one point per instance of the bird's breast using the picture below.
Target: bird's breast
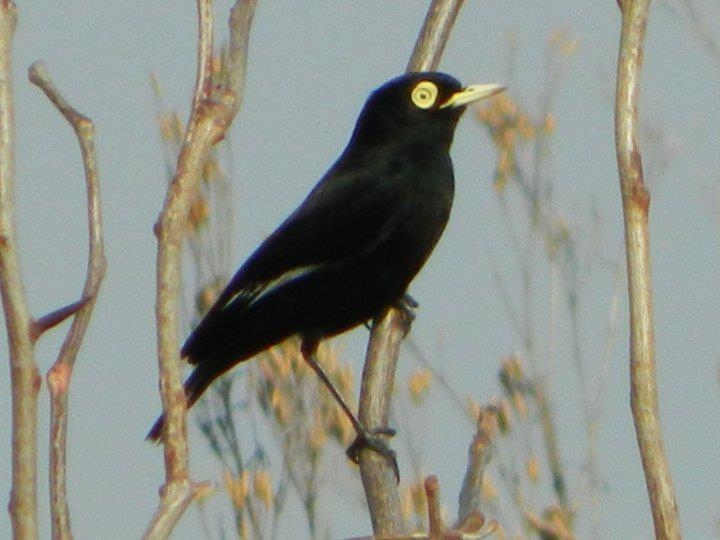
(424, 190)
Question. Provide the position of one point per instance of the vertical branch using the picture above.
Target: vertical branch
(636, 204)
(241, 16)
(383, 349)
(378, 382)
(200, 136)
(58, 378)
(203, 76)
(212, 113)
(24, 376)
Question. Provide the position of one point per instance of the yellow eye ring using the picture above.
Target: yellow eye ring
(424, 94)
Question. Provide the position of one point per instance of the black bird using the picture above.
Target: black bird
(354, 244)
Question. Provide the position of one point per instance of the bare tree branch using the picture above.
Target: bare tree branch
(378, 382)
(636, 205)
(436, 527)
(201, 133)
(54, 318)
(212, 113)
(473, 526)
(479, 456)
(434, 34)
(58, 378)
(241, 16)
(378, 476)
(24, 376)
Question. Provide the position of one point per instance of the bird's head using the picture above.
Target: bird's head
(421, 104)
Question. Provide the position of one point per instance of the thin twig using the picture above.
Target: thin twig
(550, 440)
(699, 25)
(479, 456)
(540, 203)
(636, 204)
(241, 16)
(378, 476)
(58, 378)
(54, 318)
(25, 380)
(203, 75)
(439, 377)
(436, 527)
(208, 123)
(473, 526)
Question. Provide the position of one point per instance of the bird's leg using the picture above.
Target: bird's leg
(311, 359)
(365, 438)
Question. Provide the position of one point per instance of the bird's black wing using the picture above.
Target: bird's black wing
(347, 213)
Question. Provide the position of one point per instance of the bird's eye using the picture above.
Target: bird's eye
(424, 95)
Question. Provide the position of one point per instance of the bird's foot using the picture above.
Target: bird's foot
(409, 302)
(375, 440)
(407, 305)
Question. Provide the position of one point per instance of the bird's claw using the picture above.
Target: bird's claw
(409, 302)
(407, 305)
(375, 440)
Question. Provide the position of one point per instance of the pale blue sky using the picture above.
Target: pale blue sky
(311, 66)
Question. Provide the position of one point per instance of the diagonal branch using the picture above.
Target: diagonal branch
(636, 205)
(434, 34)
(54, 318)
(211, 115)
(470, 498)
(58, 378)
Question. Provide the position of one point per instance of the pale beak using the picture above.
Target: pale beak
(471, 93)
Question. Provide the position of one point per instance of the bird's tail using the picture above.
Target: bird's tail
(196, 384)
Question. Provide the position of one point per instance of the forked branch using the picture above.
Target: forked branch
(212, 112)
(58, 378)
